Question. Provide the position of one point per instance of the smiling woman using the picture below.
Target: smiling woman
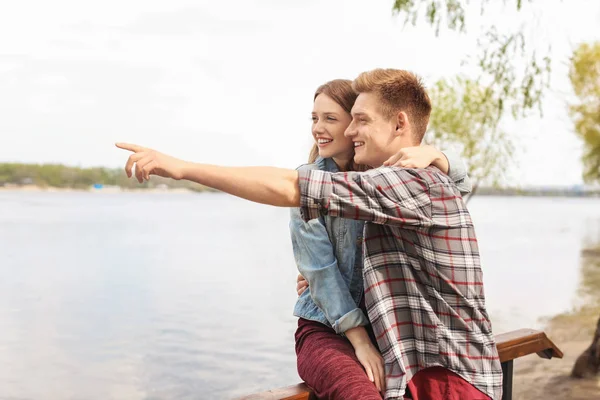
(333, 103)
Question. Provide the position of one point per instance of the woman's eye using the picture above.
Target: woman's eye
(331, 118)
(314, 119)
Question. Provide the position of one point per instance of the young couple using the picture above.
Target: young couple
(399, 233)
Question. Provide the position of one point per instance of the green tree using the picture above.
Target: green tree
(511, 71)
(509, 81)
(465, 114)
(584, 74)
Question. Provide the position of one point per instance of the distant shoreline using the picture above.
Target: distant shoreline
(62, 178)
(52, 189)
(484, 192)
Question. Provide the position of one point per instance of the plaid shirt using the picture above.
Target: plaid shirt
(423, 280)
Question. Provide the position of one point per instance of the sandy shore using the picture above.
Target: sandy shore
(536, 378)
(540, 379)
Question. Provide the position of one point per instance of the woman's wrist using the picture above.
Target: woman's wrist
(358, 336)
(439, 159)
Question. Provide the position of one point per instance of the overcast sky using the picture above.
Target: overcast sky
(232, 82)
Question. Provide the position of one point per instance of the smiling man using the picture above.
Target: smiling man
(423, 280)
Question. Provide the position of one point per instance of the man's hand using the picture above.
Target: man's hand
(151, 162)
(418, 157)
(301, 284)
(368, 356)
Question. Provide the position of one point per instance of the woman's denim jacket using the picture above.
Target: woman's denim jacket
(328, 253)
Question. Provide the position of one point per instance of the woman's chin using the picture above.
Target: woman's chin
(323, 153)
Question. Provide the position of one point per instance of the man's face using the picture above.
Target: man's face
(371, 131)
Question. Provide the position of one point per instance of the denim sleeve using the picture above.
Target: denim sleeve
(458, 172)
(316, 261)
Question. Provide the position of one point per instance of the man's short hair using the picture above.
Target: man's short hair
(398, 90)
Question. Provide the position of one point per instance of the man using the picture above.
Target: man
(423, 281)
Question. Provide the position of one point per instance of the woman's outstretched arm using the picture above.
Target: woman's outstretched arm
(266, 185)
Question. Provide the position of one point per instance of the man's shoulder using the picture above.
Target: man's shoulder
(418, 178)
(401, 173)
(430, 175)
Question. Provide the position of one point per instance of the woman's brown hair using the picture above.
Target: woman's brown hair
(340, 91)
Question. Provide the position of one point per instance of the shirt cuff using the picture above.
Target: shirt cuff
(350, 320)
(315, 188)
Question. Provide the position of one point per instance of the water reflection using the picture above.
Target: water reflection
(191, 296)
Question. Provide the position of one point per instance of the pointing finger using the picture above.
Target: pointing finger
(131, 147)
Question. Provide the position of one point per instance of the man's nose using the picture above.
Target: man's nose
(350, 131)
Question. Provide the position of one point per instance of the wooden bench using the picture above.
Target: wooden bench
(511, 346)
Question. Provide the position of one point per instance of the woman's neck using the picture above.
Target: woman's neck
(342, 163)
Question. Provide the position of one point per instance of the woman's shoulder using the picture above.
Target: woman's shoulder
(322, 164)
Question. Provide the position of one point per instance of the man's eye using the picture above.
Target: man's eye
(314, 119)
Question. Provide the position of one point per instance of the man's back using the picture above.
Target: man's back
(424, 291)
(423, 280)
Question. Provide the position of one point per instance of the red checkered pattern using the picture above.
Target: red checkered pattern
(423, 279)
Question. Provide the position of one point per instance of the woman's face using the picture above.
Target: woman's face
(329, 123)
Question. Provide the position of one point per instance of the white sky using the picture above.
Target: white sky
(232, 82)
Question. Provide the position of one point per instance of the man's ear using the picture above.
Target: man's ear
(401, 123)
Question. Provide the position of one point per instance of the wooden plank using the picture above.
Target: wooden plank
(294, 392)
(523, 342)
(511, 345)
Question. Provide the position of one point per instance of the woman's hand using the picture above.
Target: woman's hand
(301, 284)
(151, 162)
(368, 356)
(418, 157)
(371, 360)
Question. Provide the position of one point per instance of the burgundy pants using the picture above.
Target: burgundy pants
(328, 365)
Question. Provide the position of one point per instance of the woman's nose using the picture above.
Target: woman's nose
(318, 127)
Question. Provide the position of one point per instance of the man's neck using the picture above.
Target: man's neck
(394, 148)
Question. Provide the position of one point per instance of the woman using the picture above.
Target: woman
(333, 341)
